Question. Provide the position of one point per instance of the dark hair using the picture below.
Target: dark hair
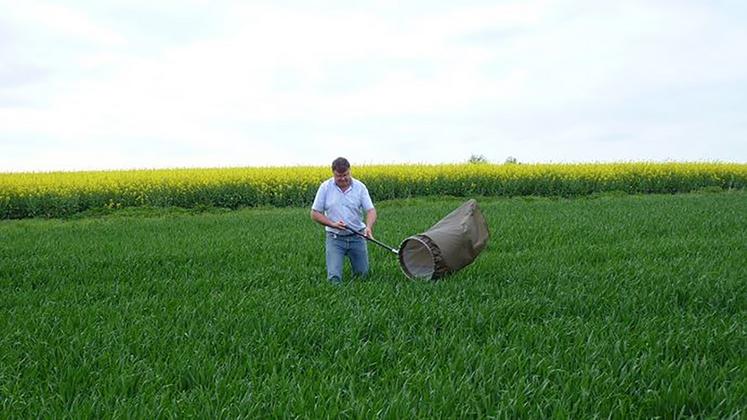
(340, 165)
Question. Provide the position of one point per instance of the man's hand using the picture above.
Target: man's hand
(368, 232)
(320, 218)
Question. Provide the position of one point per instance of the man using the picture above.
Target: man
(339, 204)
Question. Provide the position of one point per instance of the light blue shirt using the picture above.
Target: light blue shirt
(347, 206)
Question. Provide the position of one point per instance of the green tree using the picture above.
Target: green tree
(477, 159)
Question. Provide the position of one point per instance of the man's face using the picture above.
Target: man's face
(342, 179)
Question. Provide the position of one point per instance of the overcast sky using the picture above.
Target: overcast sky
(153, 84)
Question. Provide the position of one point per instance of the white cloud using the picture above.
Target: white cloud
(264, 84)
(61, 22)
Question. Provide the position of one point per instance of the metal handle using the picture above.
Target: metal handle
(377, 242)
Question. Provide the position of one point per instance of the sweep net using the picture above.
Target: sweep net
(449, 245)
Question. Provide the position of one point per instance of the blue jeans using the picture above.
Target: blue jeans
(338, 247)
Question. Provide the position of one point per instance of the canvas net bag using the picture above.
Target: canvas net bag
(449, 245)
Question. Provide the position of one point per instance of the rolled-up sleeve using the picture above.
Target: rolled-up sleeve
(320, 198)
(366, 202)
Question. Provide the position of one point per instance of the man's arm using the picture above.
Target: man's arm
(370, 222)
(320, 218)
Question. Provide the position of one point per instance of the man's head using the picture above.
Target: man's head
(341, 171)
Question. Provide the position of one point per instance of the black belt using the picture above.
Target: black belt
(338, 235)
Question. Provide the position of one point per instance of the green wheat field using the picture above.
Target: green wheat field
(608, 305)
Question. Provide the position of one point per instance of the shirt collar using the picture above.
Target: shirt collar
(350, 187)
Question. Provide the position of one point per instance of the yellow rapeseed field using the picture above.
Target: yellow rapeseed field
(57, 194)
